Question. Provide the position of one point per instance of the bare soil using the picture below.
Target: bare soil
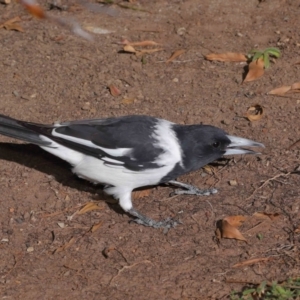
(48, 74)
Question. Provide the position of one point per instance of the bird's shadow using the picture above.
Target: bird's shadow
(34, 157)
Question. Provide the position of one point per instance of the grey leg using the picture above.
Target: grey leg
(143, 220)
(191, 190)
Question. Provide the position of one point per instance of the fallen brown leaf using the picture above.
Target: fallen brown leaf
(265, 215)
(254, 113)
(34, 9)
(256, 70)
(115, 92)
(175, 55)
(251, 261)
(230, 232)
(129, 48)
(65, 246)
(280, 91)
(128, 100)
(227, 56)
(235, 221)
(295, 86)
(12, 24)
(140, 44)
(96, 226)
(89, 207)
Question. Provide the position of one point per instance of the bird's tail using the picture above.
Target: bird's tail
(20, 130)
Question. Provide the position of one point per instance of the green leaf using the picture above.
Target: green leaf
(257, 55)
(266, 60)
(273, 51)
(248, 292)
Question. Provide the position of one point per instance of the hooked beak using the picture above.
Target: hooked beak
(237, 142)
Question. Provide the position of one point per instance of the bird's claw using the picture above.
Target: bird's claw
(165, 224)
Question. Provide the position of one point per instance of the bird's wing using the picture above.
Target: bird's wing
(128, 142)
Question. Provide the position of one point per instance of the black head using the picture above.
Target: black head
(202, 144)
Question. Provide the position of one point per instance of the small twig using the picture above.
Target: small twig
(268, 181)
(128, 267)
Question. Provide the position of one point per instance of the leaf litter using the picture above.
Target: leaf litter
(227, 57)
(175, 54)
(254, 112)
(256, 69)
(285, 89)
(12, 24)
(227, 228)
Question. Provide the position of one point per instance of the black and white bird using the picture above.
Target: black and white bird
(125, 153)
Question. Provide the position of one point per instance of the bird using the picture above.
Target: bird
(128, 152)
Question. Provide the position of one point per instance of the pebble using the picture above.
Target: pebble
(232, 182)
(86, 106)
(16, 93)
(30, 249)
(181, 31)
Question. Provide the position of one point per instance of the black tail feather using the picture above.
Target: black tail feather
(16, 129)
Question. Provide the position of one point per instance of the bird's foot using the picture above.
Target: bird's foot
(143, 220)
(190, 189)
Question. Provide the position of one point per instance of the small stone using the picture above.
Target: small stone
(86, 106)
(16, 93)
(239, 34)
(232, 182)
(4, 240)
(181, 31)
(61, 224)
(30, 249)
(175, 80)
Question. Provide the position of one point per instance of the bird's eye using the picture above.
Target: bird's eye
(216, 144)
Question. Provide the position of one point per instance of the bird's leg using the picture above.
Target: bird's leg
(190, 190)
(123, 194)
(143, 220)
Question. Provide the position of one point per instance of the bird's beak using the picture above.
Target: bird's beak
(237, 142)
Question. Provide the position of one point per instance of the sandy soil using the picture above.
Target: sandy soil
(48, 74)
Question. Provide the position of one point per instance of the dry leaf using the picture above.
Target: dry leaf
(89, 207)
(256, 70)
(128, 100)
(295, 86)
(96, 226)
(280, 91)
(254, 113)
(175, 55)
(228, 56)
(251, 261)
(115, 92)
(128, 48)
(65, 246)
(209, 169)
(230, 232)
(235, 221)
(34, 9)
(138, 194)
(140, 44)
(265, 215)
(12, 24)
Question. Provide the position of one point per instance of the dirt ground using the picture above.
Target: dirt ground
(49, 74)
